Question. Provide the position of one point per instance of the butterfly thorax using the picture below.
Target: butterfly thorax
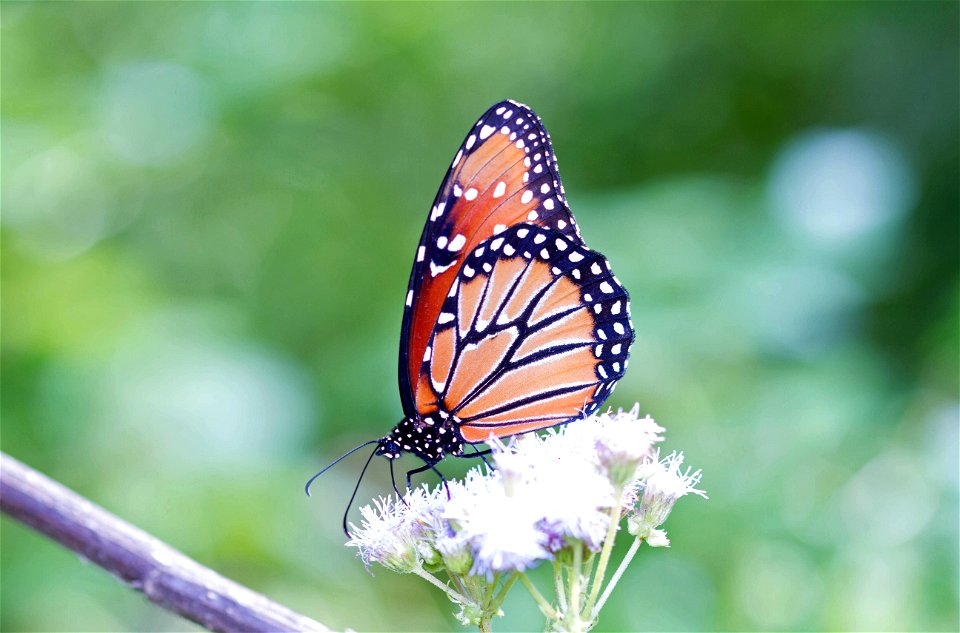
(429, 437)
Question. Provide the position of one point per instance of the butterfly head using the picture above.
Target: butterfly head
(389, 448)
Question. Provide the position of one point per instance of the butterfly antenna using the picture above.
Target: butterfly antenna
(347, 454)
(355, 489)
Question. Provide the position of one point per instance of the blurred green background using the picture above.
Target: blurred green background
(209, 214)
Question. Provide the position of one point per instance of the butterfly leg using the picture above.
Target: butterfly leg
(393, 480)
(423, 468)
(443, 479)
(481, 454)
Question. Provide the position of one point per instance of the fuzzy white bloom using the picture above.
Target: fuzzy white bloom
(557, 478)
(623, 442)
(387, 535)
(501, 529)
(548, 492)
(662, 487)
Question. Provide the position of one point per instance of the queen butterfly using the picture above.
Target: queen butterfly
(511, 324)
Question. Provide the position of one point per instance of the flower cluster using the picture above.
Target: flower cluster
(554, 497)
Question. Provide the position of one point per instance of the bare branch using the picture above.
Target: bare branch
(142, 562)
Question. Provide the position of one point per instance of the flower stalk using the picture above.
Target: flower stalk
(558, 497)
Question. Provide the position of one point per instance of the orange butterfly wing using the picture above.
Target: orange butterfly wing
(534, 332)
(504, 173)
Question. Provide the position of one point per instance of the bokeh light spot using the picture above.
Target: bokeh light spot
(837, 186)
(154, 112)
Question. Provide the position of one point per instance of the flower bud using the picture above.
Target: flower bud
(660, 492)
(456, 555)
(622, 445)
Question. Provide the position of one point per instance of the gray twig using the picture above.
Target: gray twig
(164, 575)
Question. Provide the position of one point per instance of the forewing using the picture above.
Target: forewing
(504, 173)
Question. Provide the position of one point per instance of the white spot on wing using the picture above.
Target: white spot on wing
(436, 270)
(457, 243)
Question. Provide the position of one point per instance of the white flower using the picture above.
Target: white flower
(551, 496)
(386, 536)
(661, 489)
(563, 486)
(455, 551)
(500, 529)
(548, 492)
(623, 441)
(657, 538)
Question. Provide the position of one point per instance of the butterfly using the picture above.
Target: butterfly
(511, 324)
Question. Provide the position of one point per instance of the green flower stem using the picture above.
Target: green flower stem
(475, 590)
(575, 577)
(558, 581)
(545, 607)
(485, 625)
(488, 596)
(502, 594)
(446, 589)
(459, 582)
(605, 553)
(590, 564)
(617, 574)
